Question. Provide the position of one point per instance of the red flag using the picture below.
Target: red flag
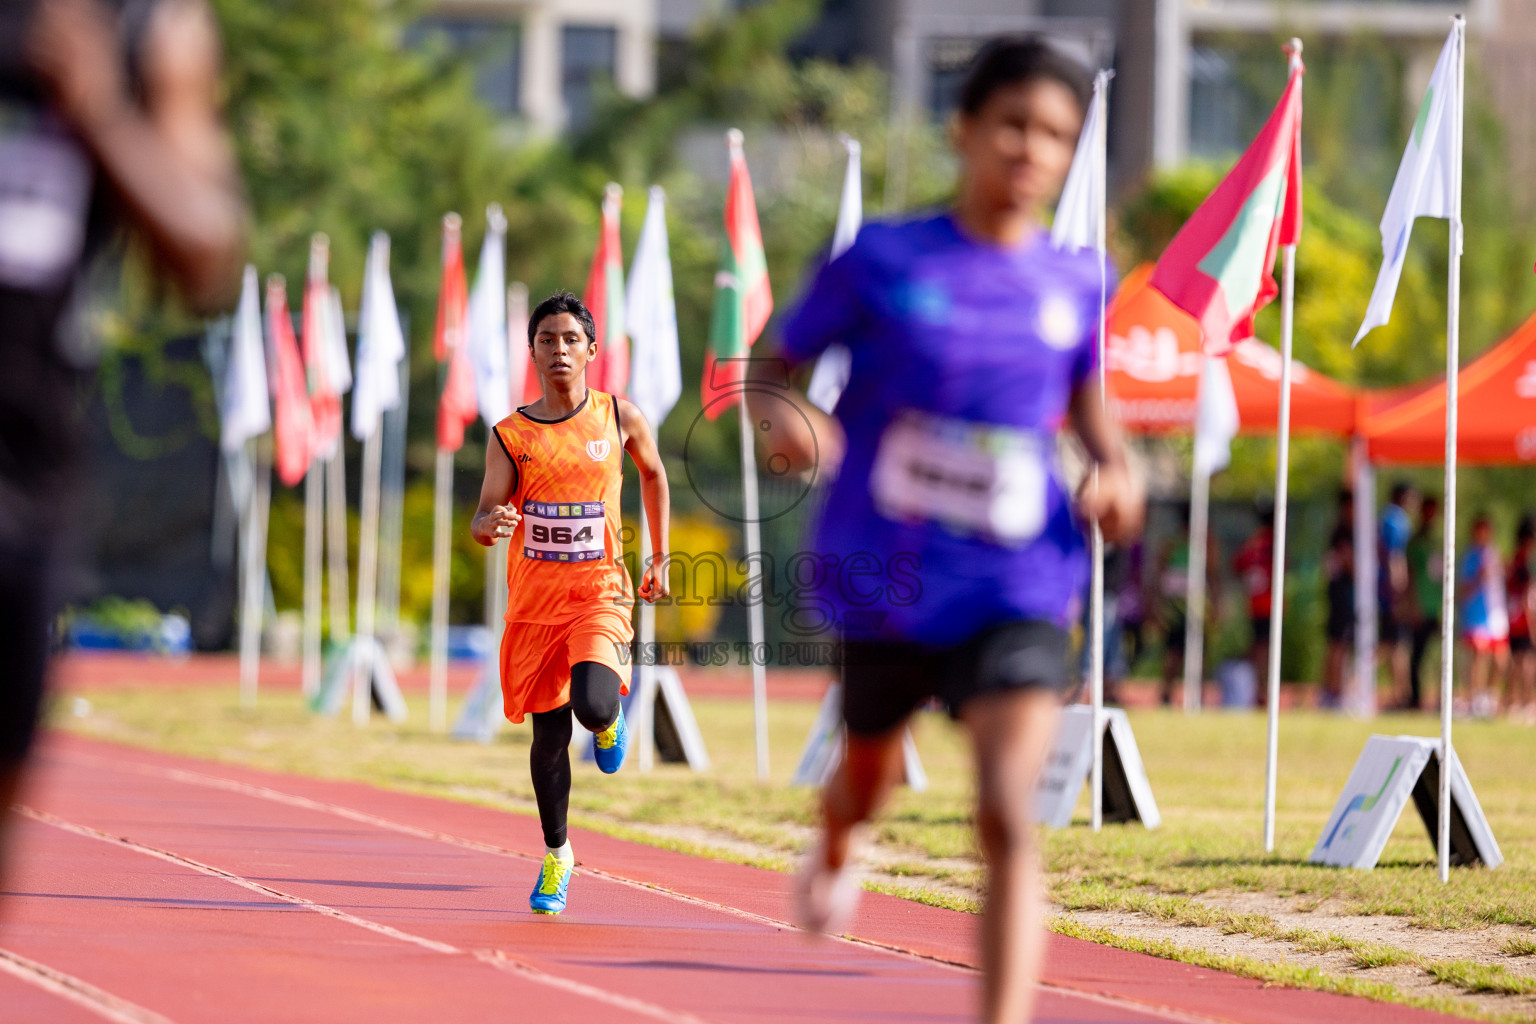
(324, 399)
(604, 297)
(293, 420)
(456, 407)
(743, 297)
(1219, 268)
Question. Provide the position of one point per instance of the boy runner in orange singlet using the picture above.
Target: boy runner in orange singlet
(553, 471)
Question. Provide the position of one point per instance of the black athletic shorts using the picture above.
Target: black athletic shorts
(884, 682)
(26, 602)
(1260, 625)
(1520, 642)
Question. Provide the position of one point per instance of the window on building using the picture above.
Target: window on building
(1215, 104)
(948, 60)
(493, 46)
(588, 61)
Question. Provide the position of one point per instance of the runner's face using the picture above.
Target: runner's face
(1016, 149)
(561, 349)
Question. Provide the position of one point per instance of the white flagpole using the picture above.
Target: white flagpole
(314, 526)
(1452, 387)
(336, 545)
(442, 503)
(253, 579)
(754, 562)
(1096, 608)
(495, 615)
(1194, 618)
(367, 566)
(1282, 496)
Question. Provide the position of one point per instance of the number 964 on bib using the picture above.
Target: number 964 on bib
(563, 531)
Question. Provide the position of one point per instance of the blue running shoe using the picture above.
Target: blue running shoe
(610, 745)
(549, 891)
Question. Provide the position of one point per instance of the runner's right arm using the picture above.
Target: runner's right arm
(1112, 497)
(495, 519)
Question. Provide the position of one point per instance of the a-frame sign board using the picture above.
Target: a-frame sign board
(1391, 771)
(480, 716)
(1127, 793)
(660, 721)
(823, 749)
(366, 655)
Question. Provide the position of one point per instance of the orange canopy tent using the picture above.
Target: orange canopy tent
(1496, 411)
(1153, 358)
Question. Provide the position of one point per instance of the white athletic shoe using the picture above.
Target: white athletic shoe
(826, 898)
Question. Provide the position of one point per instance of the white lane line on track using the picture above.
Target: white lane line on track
(494, 958)
(365, 818)
(81, 993)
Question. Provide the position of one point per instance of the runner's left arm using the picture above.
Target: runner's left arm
(1112, 498)
(640, 443)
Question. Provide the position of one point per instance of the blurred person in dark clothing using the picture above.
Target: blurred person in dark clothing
(1254, 565)
(1426, 574)
(108, 120)
(1521, 598)
(1339, 574)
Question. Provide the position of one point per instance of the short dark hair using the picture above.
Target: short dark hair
(562, 302)
(1400, 490)
(1009, 60)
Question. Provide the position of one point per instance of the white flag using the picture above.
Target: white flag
(830, 376)
(1216, 419)
(245, 409)
(488, 323)
(519, 362)
(380, 343)
(1423, 185)
(339, 373)
(1079, 222)
(650, 311)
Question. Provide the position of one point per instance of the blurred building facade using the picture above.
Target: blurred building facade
(547, 61)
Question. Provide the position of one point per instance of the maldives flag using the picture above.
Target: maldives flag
(1219, 268)
(604, 297)
(743, 299)
(456, 406)
(324, 396)
(293, 420)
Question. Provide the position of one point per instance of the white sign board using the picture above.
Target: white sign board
(823, 750)
(659, 712)
(481, 714)
(367, 656)
(1391, 771)
(1127, 793)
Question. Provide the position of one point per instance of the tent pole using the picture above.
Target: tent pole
(1194, 618)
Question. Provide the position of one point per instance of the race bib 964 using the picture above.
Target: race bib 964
(563, 532)
(975, 479)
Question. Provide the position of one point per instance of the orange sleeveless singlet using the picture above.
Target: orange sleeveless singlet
(568, 593)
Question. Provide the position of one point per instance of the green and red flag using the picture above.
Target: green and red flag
(743, 298)
(1219, 268)
(604, 297)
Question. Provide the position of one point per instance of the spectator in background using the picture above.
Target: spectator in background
(1394, 594)
(1484, 618)
(1521, 598)
(1339, 573)
(108, 119)
(1170, 599)
(1426, 574)
(1254, 565)
(1116, 571)
(1133, 605)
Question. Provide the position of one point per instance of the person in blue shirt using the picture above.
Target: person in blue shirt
(972, 341)
(1394, 588)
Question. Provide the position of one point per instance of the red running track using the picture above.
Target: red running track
(150, 889)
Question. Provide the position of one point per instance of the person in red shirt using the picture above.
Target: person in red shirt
(1522, 619)
(1254, 565)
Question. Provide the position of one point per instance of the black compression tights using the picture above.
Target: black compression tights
(595, 702)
